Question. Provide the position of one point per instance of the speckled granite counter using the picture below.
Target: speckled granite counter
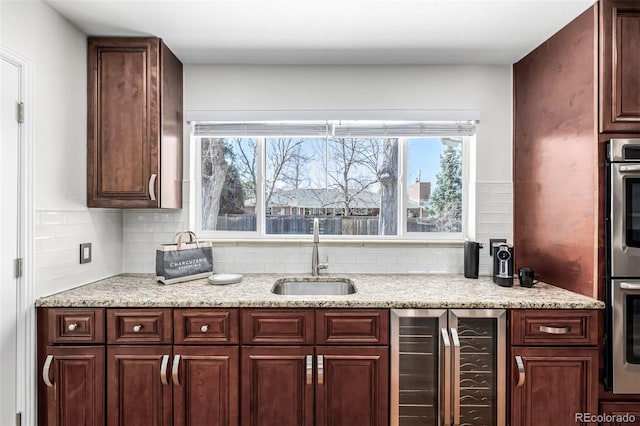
(373, 290)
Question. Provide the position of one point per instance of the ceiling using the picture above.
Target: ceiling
(329, 32)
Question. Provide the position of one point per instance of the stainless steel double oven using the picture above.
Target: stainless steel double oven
(622, 224)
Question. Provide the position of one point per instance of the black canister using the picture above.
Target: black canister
(471, 258)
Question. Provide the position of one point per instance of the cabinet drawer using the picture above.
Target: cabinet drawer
(205, 326)
(74, 325)
(362, 326)
(272, 326)
(139, 326)
(566, 327)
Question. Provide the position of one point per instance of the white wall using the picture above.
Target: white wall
(241, 87)
(58, 52)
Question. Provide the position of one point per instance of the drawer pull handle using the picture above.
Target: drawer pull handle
(320, 370)
(309, 369)
(152, 187)
(137, 328)
(72, 326)
(521, 371)
(163, 369)
(174, 370)
(45, 371)
(204, 328)
(554, 330)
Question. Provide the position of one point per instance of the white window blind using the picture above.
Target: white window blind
(342, 129)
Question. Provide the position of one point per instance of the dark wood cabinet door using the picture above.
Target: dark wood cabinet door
(134, 124)
(557, 384)
(620, 49)
(123, 122)
(620, 413)
(205, 386)
(74, 394)
(138, 390)
(277, 386)
(352, 386)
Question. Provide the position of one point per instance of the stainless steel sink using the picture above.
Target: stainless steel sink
(313, 286)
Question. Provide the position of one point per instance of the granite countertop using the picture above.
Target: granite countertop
(373, 291)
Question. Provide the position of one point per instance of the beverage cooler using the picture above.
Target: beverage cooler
(448, 367)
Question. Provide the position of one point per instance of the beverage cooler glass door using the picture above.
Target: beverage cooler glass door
(448, 367)
(417, 366)
(479, 366)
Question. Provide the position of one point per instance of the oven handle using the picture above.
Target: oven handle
(630, 168)
(629, 286)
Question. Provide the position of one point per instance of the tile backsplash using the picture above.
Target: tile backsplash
(58, 235)
(125, 241)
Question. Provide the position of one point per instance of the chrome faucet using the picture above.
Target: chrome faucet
(315, 259)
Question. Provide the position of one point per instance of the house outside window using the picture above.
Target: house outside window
(266, 180)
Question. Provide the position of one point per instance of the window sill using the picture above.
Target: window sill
(335, 242)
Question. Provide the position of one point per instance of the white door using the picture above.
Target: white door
(9, 227)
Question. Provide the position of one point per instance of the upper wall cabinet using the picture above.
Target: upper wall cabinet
(620, 72)
(134, 150)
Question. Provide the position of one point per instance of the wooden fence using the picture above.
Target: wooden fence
(329, 225)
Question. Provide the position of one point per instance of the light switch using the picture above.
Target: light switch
(85, 253)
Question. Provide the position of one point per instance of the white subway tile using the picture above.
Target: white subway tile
(53, 218)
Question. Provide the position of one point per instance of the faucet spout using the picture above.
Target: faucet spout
(315, 257)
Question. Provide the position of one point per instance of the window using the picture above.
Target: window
(361, 179)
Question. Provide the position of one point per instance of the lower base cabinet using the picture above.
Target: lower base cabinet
(620, 413)
(556, 385)
(306, 386)
(137, 388)
(179, 386)
(554, 366)
(73, 379)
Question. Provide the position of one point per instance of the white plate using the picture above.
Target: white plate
(224, 279)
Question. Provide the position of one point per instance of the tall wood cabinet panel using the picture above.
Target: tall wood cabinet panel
(134, 149)
(555, 224)
(620, 74)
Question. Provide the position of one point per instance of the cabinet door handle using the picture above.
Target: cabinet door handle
(456, 376)
(521, 371)
(554, 330)
(174, 370)
(320, 370)
(204, 328)
(163, 369)
(446, 361)
(45, 371)
(72, 326)
(137, 328)
(152, 187)
(309, 369)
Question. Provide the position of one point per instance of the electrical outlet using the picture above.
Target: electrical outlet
(85, 253)
(495, 240)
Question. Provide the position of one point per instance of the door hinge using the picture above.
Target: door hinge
(17, 267)
(18, 418)
(20, 112)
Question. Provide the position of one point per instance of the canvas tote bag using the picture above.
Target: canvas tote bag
(185, 259)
